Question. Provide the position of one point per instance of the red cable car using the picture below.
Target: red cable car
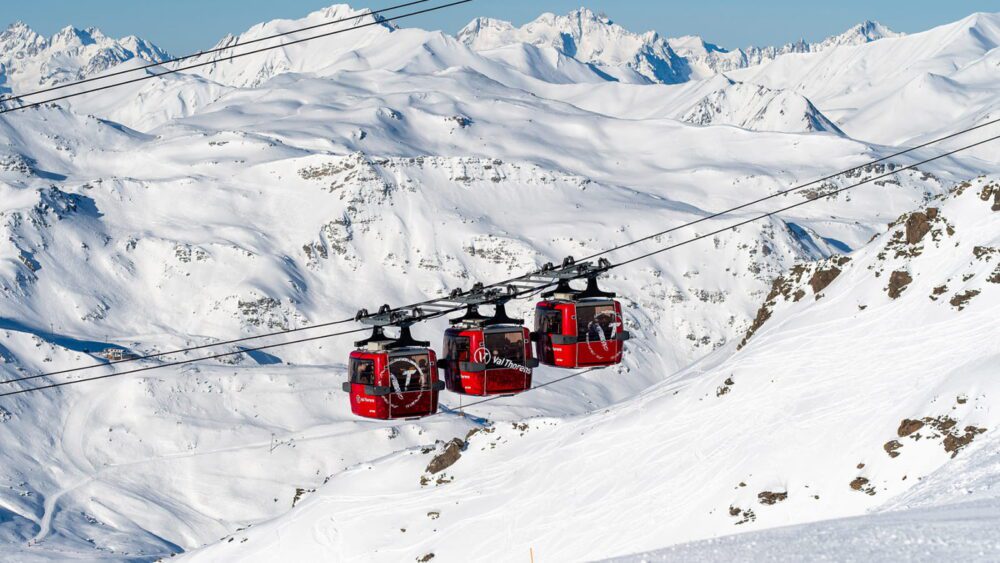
(487, 356)
(575, 329)
(393, 378)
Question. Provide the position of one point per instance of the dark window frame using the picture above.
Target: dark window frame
(506, 348)
(583, 322)
(423, 378)
(355, 372)
(549, 321)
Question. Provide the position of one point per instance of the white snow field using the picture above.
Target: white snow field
(819, 382)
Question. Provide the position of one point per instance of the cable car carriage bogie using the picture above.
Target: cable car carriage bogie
(579, 328)
(392, 378)
(487, 355)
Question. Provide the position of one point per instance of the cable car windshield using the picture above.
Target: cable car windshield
(548, 321)
(410, 372)
(596, 322)
(505, 348)
(362, 371)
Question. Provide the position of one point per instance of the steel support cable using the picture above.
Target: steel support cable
(803, 202)
(895, 171)
(749, 203)
(177, 351)
(231, 57)
(532, 290)
(181, 362)
(422, 318)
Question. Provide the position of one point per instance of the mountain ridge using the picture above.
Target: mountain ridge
(29, 61)
(664, 61)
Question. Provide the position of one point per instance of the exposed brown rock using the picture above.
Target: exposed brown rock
(898, 281)
(994, 191)
(891, 446)
(917, 225)
(789, 287)
(909, 426)
(954, 443)
(984, 251)
(763, 314)
(939, 290)
(726, 387)
(823, 278)
(746, 515)
(960, 300)
(299, 493)
(954, 440)
(447, 458)
(861, 484)
(768, 497)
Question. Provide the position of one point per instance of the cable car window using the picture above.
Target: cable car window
(457, 348)
(596, 322)
(410, 372)
(505, 348)
(548, 321)
(362, 371)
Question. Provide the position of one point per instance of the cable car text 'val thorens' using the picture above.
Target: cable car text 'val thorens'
(390, 378)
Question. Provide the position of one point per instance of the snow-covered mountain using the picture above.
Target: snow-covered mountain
(706, 59)
(257, 69)
(595, 39)
(29, 61)
(588, 37)
(782, 361)
(898, 89)
(830, 408)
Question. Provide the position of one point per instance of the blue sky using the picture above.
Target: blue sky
(183, 26)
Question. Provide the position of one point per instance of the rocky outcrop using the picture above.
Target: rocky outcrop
(449, 455)
(791, 287)
(898, 282)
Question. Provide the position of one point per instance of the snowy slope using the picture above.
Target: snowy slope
(286, 190)
(952, 514)
(898, 89)
(794, 427)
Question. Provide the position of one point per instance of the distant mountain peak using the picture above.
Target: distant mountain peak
(587, 36)
(859, 34)
(17, 26)
(30, 60)
(594, 38)
(72, 36)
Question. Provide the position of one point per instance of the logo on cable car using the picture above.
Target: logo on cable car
(601, 332)
(483, 356)
(410, 372)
